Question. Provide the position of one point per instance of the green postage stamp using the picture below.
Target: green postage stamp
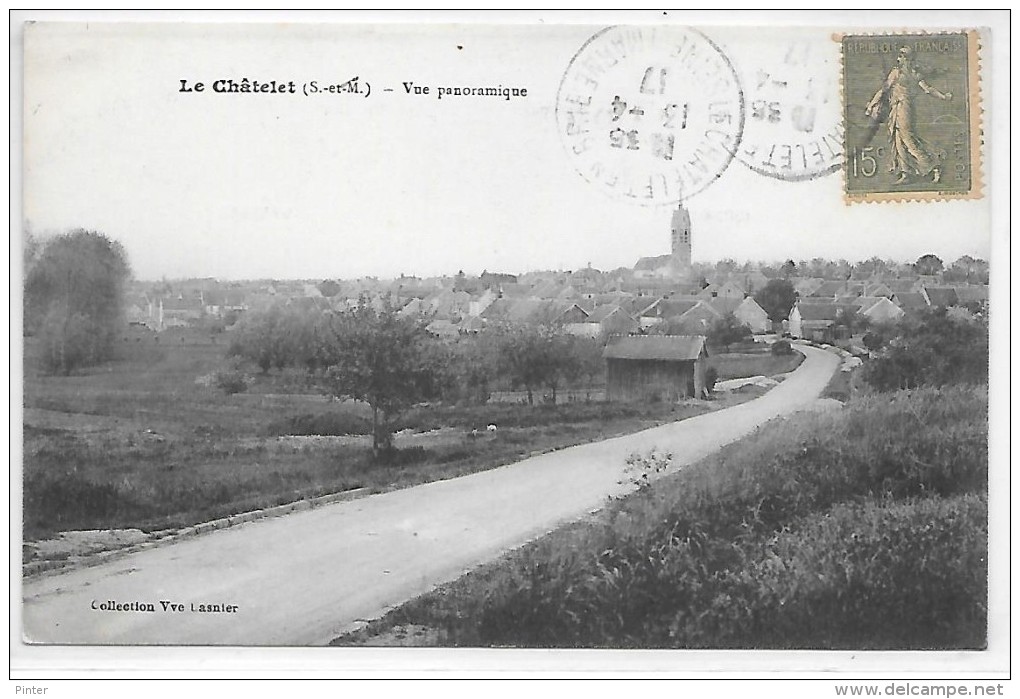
(912, 113)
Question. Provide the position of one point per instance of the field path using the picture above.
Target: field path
(304, 578)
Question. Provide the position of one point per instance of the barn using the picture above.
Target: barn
(655, 367)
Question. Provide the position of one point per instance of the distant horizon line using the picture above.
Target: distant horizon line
(451, 275)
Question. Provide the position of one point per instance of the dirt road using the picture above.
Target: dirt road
(304, 578)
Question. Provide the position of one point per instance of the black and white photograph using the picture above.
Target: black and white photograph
(641, 342)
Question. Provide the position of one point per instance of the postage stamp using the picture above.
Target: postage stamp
(912, 116)
(652, 115)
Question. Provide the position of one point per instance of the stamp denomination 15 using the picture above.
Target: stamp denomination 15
(651, 115)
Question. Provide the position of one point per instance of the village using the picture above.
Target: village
(666, 294)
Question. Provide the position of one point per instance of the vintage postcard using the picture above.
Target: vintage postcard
(511, 335)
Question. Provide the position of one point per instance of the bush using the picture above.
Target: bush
(935, 349)
(711, 376)
(231, 381)
(883, 574)
(782, 348)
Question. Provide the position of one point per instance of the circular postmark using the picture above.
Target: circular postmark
(794, 128)
(651, 115)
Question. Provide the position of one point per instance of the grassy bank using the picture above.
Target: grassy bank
(864, 528)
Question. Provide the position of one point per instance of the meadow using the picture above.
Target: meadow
(146, 441)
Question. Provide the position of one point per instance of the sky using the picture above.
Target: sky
(242, 186)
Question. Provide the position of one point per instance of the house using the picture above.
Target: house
(879, 309)
(697, 320)
(878, 289)
(829, 290)
(179, 312)
(814, 321)
(807, 286)
(730, 289)
(910, 300)
(940, 296)
(220, 302)
(655, 367)
(657, 267)
(604, 320)
(972, 294)
(747, 311)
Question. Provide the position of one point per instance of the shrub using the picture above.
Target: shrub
(782, 348)
(883, 574)
(711, 376)
(231, 381)
(934, 349)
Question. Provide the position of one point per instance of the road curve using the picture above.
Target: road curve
(305, 578)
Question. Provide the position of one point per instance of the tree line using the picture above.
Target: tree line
(390, 361)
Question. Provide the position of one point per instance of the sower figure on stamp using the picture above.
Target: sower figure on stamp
(911, 155)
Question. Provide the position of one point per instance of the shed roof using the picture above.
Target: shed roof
(678, 348)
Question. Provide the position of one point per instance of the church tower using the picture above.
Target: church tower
(680, 229)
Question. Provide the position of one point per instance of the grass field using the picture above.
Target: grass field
(861, 528)
(142, 442)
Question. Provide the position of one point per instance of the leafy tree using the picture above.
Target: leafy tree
(928, 264)
(872, 267)
(74, 298)
(468, 368)
(852, 319)
(967, 269)
(777, 298)
(329, 288)
(789, 269)
(385, 360)
(263, 337)
(931, 349)
(533, 356)
(727, 330)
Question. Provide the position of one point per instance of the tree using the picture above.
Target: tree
(852, 319)
(532, 356)
(789, 269)
(931, 349)
(928, 264)
(967, 269)
(329, 288)
(727, 330)
(872, 267)
(74, 298)
(263, 337)
(777, 298)
(385, 360)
